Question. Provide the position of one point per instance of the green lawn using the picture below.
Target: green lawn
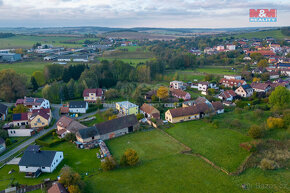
(185, 75)
(26, 68)
(131, 61)
(218, 71)
(219, 145)
(99, 119)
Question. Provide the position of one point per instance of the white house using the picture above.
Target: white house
(20, 132)
(34, 161)
(236, 77)
(34, 103)
(177, 85)
(231, 47)
(244, 90)
(78, 107)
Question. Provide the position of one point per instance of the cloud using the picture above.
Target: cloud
(1, 2)
(116, 13)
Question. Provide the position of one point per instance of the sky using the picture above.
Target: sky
(139, 13)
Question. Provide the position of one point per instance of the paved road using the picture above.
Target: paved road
(55, 113)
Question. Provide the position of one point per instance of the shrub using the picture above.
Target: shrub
(8, 142)
(255, 131)
(258, 113)
(140, 116)
(70, 137)
(130, 158)
(238, 110)
(273, 122)
(267, 164)
(108, 164)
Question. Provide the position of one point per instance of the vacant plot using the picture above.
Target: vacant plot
(219, 145)
(184, 75)
(218, 71)
(26, 68)
(133, 62)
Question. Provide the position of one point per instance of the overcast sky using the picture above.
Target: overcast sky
(138, 13)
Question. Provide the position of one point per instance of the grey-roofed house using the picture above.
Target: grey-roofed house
(108, 129)
(3, 112)
(34, 161)
(78, 107)
(244, 90)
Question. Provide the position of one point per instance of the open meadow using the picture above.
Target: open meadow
(26, 68)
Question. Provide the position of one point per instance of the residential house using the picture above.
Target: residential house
(108, 129)
(34, 103)
(283, 65)
(232, 82)
(20, 119)
(274, 75)
(39, 118)
(78, 107)
(266, 53)
(218, 107)
(20, 132)
(244, 90)
(231, 47)
(73, 58)
(177, 85)
(92, 95)
(258, 70)
(203, 86)
(127, 108)
(67, 125)
(2, 145)
(57, 188)
(228, 95)
(180, 94)
(236, 77)
(34, 161)
(261, 87)
(149, 111)
(3, 112)
(188, 113)
(285, 72)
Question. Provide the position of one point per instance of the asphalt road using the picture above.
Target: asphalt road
(55, 113)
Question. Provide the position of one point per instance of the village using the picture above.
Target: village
(33, 126)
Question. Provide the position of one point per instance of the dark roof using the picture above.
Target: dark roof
(246, 86)
(87, 132)
(261, 86)
(185, 111)
(3, 108)
(20, 117)
(116, 124)
(34, 157)
(77, 104)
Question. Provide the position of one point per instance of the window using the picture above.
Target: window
(43, 167)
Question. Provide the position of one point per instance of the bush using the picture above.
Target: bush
(48, 144)
(273, 122)
(140, 116)
(129, 158)
(70, 137)
(255, 131)
(108, 164)
(258, 113)
(8, 142)
(267, 164)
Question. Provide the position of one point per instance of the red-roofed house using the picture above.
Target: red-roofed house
(267, 53)
(180, 94)
(232, 82)
(39, 118)
(228, 95)
(92, 95)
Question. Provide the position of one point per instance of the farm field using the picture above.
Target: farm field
(26, 68)
(218, 71)
(262, 34)
(131, 61)
(26, 41)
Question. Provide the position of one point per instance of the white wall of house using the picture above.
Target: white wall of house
(220, 111)
(202, 87)
(19, 132)
(56, 161)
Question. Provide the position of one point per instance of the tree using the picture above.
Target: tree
(8, 142)
(255, 131)
(262, 63)
(265, 76)
(130, 158)
(108, 164)
(280, 98)
(70, 137)
(111, 94)
(34, 83)
(3, 134)
(74, 189)
(39, 77)
(273, 122)
(20, 109)
(12, 85)
(69, 177)
(256, 56)
(108, 113)
(255, 79)
(112, 117)
(162, 92)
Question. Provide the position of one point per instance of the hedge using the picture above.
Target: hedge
(48, 144)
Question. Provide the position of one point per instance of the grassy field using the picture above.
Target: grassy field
(185, 75)
(99, 118)
(218, 71)
(262, 34)
(162, 168)
(26, 41)
(131, 61)
(26, 68)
